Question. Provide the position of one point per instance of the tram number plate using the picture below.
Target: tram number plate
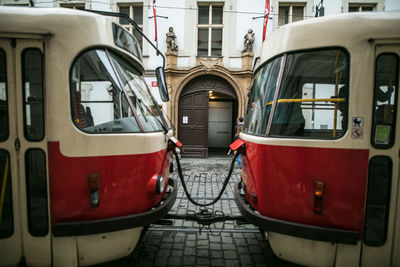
(357, 133)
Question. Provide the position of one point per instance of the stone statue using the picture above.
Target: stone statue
(171, 45)
(248, 41)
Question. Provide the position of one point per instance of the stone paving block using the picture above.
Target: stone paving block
(202, 244)
(217, 262)
(232, 263)
(175, 261)
(243, 250)
(161, 261)
(202, 253)
(255, 249)
(203, 261)
(164, 253)
(191, 260)
(191, 237)
(189, 252)
(217, 254)
(166, 245)
(178, 246)
(230, 255)
(190, 243)
(246, 259)
(177, 253)
(215, 246)
(228, 247)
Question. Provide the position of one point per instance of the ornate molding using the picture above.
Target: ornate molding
(209, 64)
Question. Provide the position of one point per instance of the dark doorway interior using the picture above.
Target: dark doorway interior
(207, 116)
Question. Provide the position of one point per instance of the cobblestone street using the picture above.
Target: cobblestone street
(186, 243)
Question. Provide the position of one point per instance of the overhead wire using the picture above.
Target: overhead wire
(163, 7)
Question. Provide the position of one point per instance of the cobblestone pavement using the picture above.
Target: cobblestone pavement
(186, 243)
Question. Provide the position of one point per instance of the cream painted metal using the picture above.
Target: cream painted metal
(63, 43)
(58, 34)
(22, 242)
(364, 36)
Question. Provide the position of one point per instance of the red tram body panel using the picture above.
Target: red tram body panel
(122, 180)
(282, 179)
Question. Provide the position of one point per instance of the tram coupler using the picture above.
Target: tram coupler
(238, 146)
(207, 217)
(174, 143)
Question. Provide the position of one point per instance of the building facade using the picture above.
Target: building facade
(210, 47)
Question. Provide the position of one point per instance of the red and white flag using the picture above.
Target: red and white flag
(155, 20)
(266, 16)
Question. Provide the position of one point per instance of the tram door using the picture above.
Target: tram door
(382, 214)
(24, 204)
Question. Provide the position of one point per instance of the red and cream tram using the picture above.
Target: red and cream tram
(321, 141)
(84, 154)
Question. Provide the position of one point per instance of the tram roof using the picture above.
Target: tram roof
(346, 30)
(72, 30)
(44, 21)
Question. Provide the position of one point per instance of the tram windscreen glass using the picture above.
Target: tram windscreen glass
(311, 100)
(104, 100)
(261, 96)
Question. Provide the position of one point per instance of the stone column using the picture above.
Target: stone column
(172, 57)
(247, 60)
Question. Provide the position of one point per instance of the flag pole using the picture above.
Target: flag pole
(266, 17)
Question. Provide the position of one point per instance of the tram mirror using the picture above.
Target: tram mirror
(162, 85)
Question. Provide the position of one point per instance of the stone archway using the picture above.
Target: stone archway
(207, 111)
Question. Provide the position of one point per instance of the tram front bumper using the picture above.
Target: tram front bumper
(119, 223)
(290, 228)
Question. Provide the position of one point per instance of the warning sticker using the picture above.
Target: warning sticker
(358, 122)
(357, 133)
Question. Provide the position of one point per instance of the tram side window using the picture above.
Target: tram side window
(32, 69)
(313, 96)
(385, 100)
(3, 97)
(6, 204)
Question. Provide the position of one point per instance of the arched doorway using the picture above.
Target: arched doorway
(207, 112)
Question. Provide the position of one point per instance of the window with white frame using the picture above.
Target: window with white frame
(357, 7)
(289, 13)
(135, 12)
(210, 25)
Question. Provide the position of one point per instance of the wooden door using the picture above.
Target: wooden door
(193, 123)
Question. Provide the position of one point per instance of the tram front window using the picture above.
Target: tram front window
(108, 95)
(311, 101)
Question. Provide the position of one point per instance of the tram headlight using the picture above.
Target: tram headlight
(156, 184)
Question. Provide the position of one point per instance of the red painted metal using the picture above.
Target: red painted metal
(282, 178)
(235, 145)
(122, 184)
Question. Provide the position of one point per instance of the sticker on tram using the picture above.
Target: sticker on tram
(357, 133)
(382, 134)
(358, 122)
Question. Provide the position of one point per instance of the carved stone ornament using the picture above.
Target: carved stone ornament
(171, 44)
(209, 63)
(248, 41)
